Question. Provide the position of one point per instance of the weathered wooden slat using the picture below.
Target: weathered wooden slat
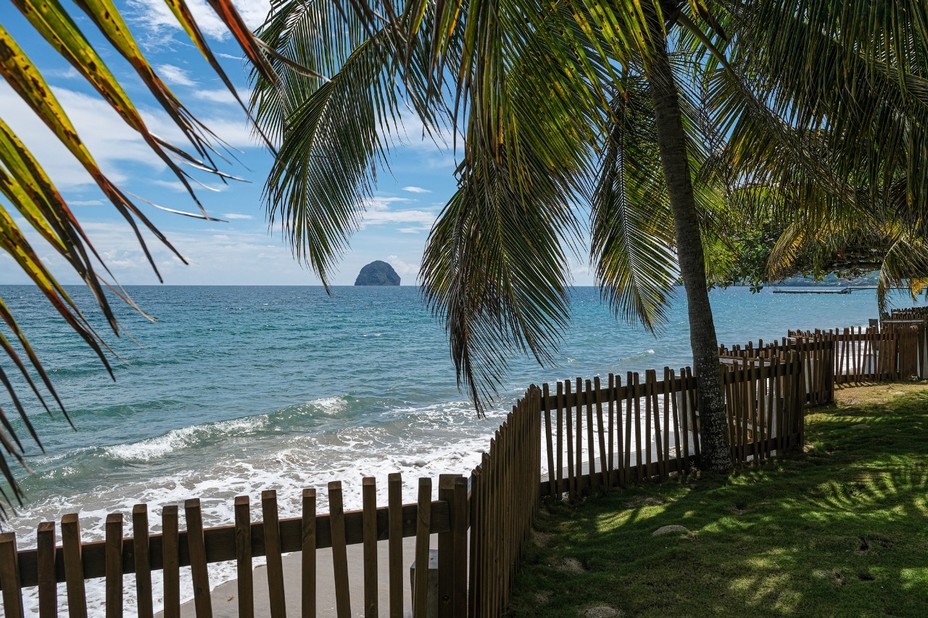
(446, 555)
(476, 548)
(610, 441)
(275, 566)
(244, 567)
(73, 566)
(420, 590)
(568, 423)
(394, 499)
(339, 552)
(369, 500)
(603, 461)
(9, 576)
(142, 560)
(196, 548)
(308, 556)
(643, 455)
(590, 438)
(549, 443)
(170, 560)
(460, 524)
(45, 570)
(114, 569)
(560, 438)
(629, 413)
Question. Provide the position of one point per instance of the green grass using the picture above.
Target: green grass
(841, 530)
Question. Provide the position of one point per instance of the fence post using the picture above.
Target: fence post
(446, 557)
(452, 548)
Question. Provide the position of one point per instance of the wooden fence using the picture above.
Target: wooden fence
(504, 500)
(474, 575)
(815, 353)
(601, 436)
(73, 562)
(588, 436)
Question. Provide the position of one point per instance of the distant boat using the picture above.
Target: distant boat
(812, 291)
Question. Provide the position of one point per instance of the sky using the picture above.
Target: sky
(244, 249)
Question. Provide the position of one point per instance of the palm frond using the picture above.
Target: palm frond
(333, 140)
(631, 224)
(30, 193)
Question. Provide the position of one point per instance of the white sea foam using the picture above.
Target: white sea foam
(176, 439)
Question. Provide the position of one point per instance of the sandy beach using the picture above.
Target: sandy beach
(225, 596)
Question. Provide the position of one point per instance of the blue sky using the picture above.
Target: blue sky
(243, 250)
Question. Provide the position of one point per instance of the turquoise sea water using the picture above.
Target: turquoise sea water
(239, 389)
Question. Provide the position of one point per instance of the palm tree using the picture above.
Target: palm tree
(649, 114)
(31, 194)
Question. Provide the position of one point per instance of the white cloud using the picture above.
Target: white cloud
(413, 189)
(402, 267)
(170, 185)
(379, 212)
(175, 75)
(114, 149)
(217, 253)
(219, 95)
(234, 216)
(382, 203)
(156, 14)
(412, 135)
(380, 217)
(88, 113)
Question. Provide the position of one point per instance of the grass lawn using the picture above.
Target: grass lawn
(840, 530)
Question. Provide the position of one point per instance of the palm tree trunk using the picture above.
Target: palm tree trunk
(672, 144)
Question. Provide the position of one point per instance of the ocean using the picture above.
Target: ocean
(235, 390)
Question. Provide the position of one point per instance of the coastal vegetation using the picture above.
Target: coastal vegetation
(670, 125)
(836, 530)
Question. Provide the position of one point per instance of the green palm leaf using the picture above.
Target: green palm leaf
(30, 193)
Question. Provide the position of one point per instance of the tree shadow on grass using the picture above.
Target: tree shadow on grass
(841, 531)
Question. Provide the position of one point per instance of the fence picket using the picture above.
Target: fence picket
(274, 560)
(196, 547)
(591, 452)
(45, 567)
(603, 463)
(143, 591)
(395, 546)
(243, 554)
(420, 590)
(114, 577)
(578, 409)
(339, 551)
(73, 566)
(170, 561)
(9, 576)
(548, 440)
(560, 441)
(369, 501)
(568, 417)
(308, 549)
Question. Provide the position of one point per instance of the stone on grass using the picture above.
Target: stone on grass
(601, 611)
(570, 565)
(671, 529)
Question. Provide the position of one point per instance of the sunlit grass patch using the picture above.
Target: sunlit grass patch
(838, 530)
